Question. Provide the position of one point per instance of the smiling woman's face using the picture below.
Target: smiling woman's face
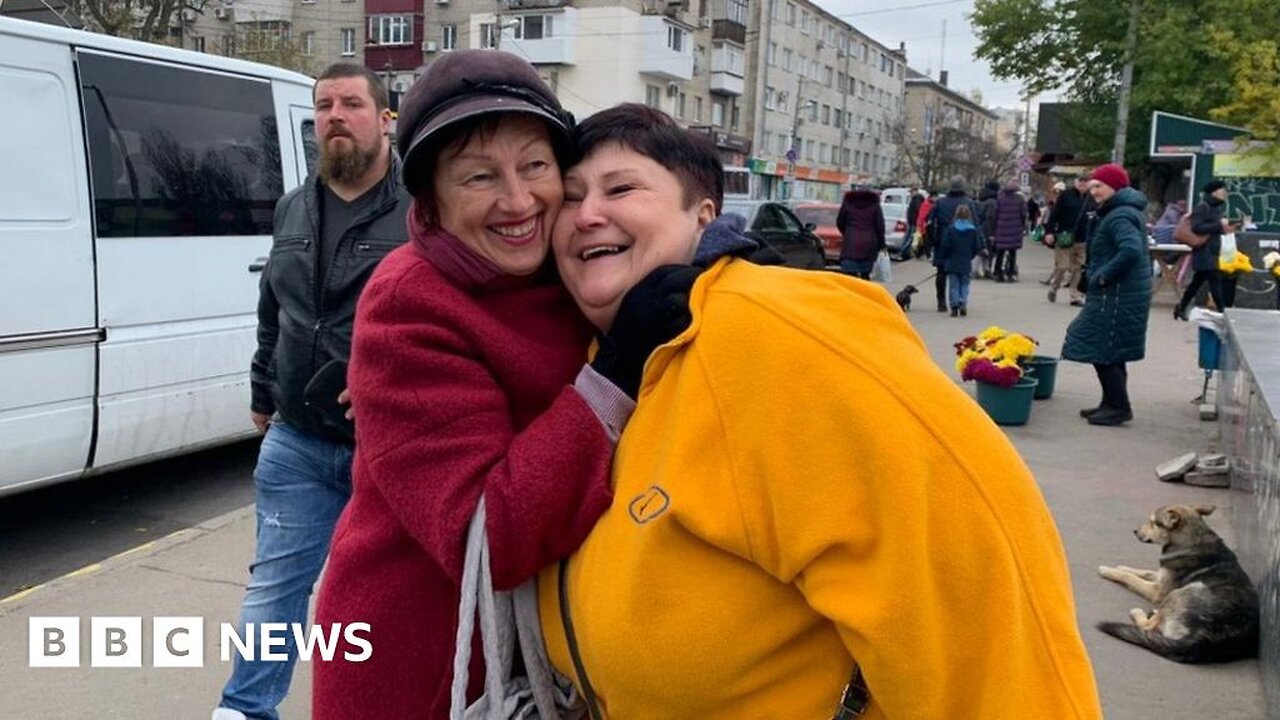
(624, 215)
(499, 192)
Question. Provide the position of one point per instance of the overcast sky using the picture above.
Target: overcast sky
(918, 23)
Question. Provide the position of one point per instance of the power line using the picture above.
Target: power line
(902, 7)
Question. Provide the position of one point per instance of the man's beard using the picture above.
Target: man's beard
(345, 165)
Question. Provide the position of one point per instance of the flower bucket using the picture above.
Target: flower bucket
(1044, 369)
(1008, 405)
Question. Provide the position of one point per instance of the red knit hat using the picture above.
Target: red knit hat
(1111, 175)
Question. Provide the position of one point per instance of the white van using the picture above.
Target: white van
(137, 188)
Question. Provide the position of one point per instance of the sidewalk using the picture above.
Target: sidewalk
(1098, 481)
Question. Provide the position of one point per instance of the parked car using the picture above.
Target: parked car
(823, 217)
(894, 202)
(776, 226)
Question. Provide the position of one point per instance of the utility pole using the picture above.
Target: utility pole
(844, 110)
(794, 155)
(1126, 82)
(762, 116)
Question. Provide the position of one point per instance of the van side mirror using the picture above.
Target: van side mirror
(810, 227)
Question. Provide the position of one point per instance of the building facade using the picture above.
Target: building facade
(945, 134)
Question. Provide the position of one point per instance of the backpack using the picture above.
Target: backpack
(1182, 233)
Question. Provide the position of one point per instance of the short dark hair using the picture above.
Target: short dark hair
(377, 88)
(690, 156)
(963, 213)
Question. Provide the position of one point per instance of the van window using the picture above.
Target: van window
(178, 152)
(310, 151)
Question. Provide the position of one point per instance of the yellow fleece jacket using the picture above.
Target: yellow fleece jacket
(801, 487)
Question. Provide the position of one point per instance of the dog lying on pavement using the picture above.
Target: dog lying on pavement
(1206, 608)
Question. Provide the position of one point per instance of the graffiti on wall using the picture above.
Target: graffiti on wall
(1256, 197)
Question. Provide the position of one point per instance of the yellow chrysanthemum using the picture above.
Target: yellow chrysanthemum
(992, 334)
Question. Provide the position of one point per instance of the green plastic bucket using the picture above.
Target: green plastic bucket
(1008, 405)
(1044, 369)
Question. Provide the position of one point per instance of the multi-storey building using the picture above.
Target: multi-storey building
(945, 134)
(825, 98)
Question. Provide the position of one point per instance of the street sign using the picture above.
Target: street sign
(791, 155)
(1025, 163)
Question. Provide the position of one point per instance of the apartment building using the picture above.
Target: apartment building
(825, 100)
(946, 133)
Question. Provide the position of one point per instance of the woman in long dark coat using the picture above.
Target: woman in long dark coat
(1111, 330)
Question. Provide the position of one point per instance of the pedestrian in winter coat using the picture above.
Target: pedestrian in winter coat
(1068, 247)
(940, 219)
(913, 211)
(861, 223)
(960, 245)
(1011, 226)
(922, 223)
(986, 222)
(728, 544)
(1111, 330)
(1168, 221)
(1206, 219)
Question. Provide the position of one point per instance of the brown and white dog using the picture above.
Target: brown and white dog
(1206, 608)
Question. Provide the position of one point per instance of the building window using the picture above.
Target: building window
(804, 21)
(782, 145)
(697, 110)
(728, 58)
(770, 98)
(772, 58)
(735, 118)
(826, 114)
(717, 116)
(198, 43)
(791, 14)
(308, 44)
(308, 2)
(653, 96)
(675, 38)
(775, 10)
(808, 150)
(828, 73)
(786, 59)
(533, 27)
(680, 106)
(737, 11)
(390, 30)
(488, 36)
(823, 157)
(348, 41)
(448, 37)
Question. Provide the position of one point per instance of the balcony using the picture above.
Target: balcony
(729, 30)
(544, 38)
(727, 73)
(666, 48)
(532, 4)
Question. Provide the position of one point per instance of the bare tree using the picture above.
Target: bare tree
(148, 20)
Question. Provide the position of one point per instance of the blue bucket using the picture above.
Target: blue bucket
(1210, 349)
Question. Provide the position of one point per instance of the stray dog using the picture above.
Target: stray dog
(1206, 608)
(904, 297)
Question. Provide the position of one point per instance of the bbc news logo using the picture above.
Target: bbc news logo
(178, 642)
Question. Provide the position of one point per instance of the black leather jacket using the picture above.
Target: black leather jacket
(304, 321)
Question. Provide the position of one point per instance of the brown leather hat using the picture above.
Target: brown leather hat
(463, 85)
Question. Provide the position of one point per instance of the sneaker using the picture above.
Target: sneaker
(1110, 417)
(964, 311)
(1077, 303)
(227, 714)
(1053, 295)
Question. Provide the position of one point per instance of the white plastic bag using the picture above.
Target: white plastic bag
(1228, 252)
(882, 271)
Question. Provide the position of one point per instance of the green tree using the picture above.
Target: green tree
(1182, 64)
(1255, 98)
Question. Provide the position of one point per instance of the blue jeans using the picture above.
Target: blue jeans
(958, 289)
(302, 482)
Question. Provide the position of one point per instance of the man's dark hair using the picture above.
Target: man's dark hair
(377, 88)
(691, 157)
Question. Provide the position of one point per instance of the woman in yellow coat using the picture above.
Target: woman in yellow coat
(768, 535)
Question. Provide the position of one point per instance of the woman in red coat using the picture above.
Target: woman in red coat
(467, 378)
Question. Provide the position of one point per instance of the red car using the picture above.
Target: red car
(822, 216)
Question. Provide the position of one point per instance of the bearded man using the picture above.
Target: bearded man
(329, 234)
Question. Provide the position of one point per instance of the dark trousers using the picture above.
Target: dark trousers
(1114, 379)
(1228, 292)
(1214, 278)
(1006, 264)
(940, 287)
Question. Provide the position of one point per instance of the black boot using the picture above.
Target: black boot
(1088, 412)
(1110, 417)
(1179, 312)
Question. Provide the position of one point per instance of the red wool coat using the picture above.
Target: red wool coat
(461, 386)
